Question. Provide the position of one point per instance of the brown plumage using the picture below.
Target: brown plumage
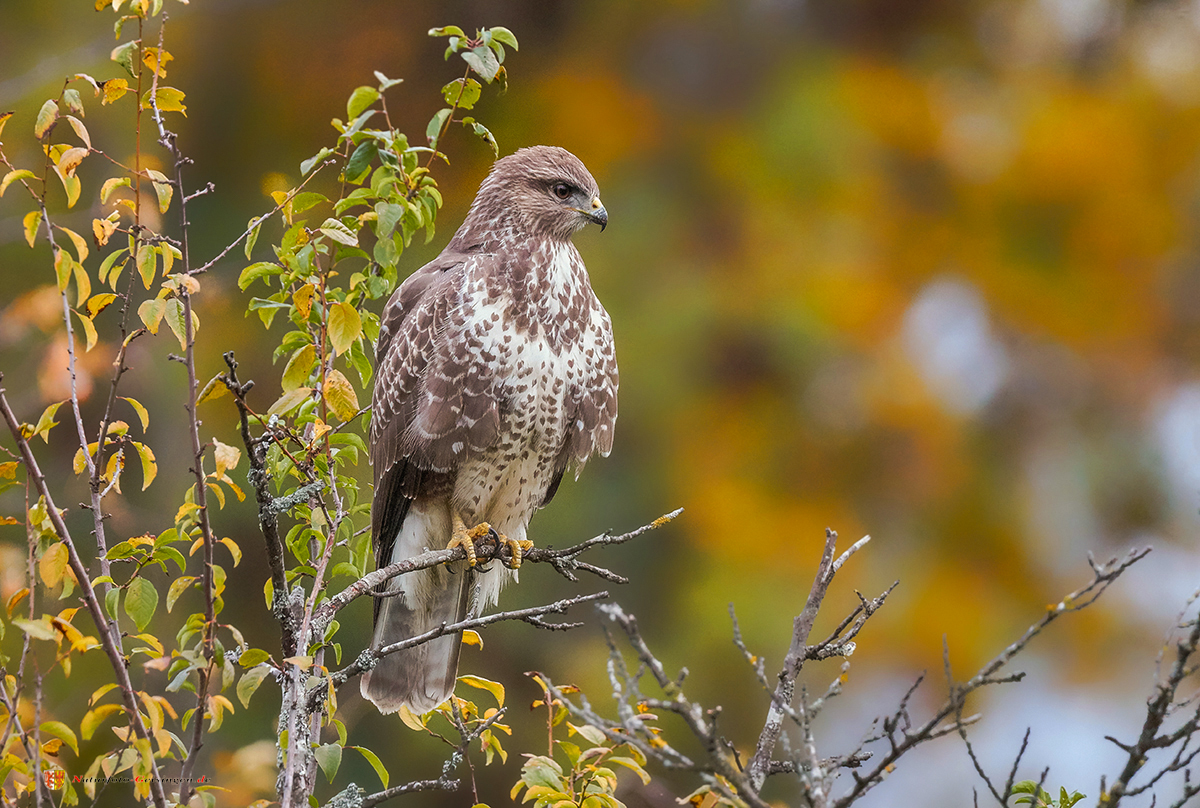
(496, 373)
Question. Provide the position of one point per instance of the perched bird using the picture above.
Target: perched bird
(496, 373)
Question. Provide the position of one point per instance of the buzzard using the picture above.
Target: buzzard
(496, 373)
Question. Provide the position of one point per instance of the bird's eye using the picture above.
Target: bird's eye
(562, 190)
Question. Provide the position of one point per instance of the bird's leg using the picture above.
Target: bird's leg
(463, 537)
(518, 547)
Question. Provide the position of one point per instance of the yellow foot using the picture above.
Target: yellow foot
(518, 548)
(465, 538)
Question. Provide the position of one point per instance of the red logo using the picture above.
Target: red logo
(55, 778)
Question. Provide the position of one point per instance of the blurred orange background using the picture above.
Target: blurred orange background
(924, 270)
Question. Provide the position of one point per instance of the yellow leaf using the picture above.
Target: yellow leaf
(113, 90)
(71, 159)
(471, 637)
(495, 688)
(142, 414)
(411, 719)
(233, 549)
(227, 456)
(167, 99)
(91, 720)
(301, 662)
(102, 230)
(149, 466)
(157, 61)
(89, 331)
(80, 130)
(15, 600)
(4, 119)
(62, 268)
(340, 395)
(345, 326)
(52, 564)
(98, 303)
(83, 283)
(80, 243)
(303, 299)
(32, 221)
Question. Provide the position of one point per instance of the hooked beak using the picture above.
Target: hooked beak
(597, 214)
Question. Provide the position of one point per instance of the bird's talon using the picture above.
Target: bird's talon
(465, 538)
(517, 549)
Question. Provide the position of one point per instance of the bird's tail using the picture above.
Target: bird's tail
(423, 676)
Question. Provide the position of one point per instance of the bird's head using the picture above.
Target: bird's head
(544, 190)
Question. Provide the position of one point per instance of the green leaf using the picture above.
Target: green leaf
(73, 101)
(329, 758)
(446, 30)
(141, 601)
(162, 188)
(147, 263)
(360, 99)
(308, 164)
(633, 766)
(462, 92)
(384, 83)
(373, 759)
(112, 601)
(46, 117)
(124, 55)
(502, 34)
(106, 266)
(360, 161)
(174, 317)
(483, 61)
(178, 587)
(289, 401)
(299, 367)
(339, 232)
(61, 730)
(252, 657)
(305, 200)
(345, 326)
(387, 217)
(249, 683)
(483, 133)
(434, 128)
(255, 271)
(253, 226)
(37, 629)
(151, 313)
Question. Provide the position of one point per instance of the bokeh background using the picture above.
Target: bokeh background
(914, 268)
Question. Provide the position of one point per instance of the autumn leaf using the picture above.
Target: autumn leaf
(340, 395)
(345, 326)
